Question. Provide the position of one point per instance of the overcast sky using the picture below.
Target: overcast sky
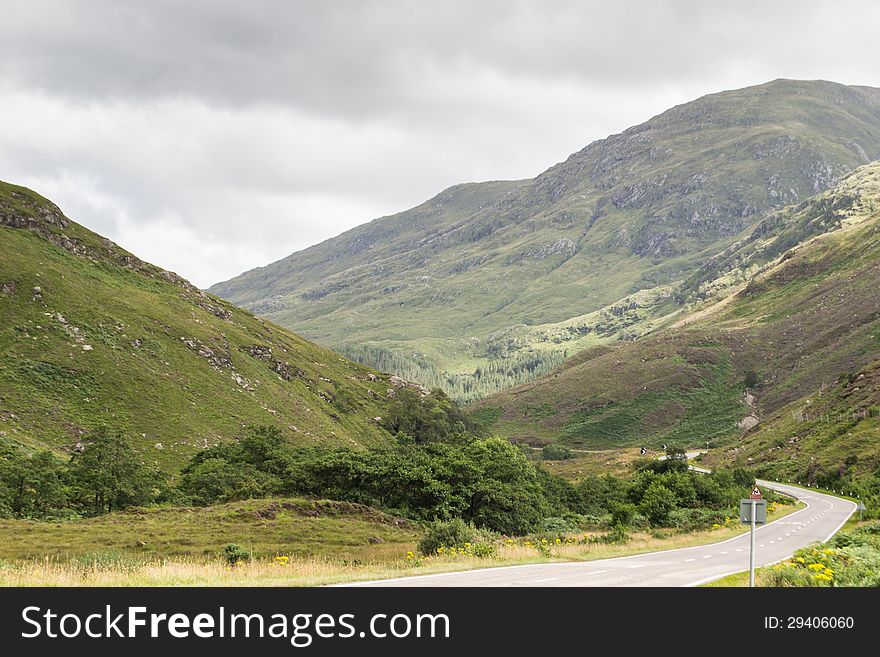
(210, 137)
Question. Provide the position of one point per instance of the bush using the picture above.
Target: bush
(447, 534)
(554, 452)
(598, 493)
(590, 520)
(622, 513)
(216, 480)
(743, 477)
(850, 559)
(483, 550)
(235, 554)
(657, 502)
(617, 536)
(693, 519)
(556, 526)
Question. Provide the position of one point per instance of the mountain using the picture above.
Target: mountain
(775, 360)
(491, 284)
(90, 334)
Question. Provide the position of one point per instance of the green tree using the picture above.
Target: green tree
(599, 492)
(657, 502)
(427, 418)
(622, 513)
(109, 473)
(218, 480)
(31, 487)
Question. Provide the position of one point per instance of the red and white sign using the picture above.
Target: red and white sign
(756, 494)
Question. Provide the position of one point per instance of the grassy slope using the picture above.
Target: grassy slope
(113, 339)
(547, 264)
(807, 325)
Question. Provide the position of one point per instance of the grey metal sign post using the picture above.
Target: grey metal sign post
(754, 512)
(752, 544)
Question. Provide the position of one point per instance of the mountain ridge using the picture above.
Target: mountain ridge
(639, 210)
(776, 365)
(90, 334)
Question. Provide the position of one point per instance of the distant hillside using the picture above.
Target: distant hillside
(491, 284)
(779, 365)
(90, 334)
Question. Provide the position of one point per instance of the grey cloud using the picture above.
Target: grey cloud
(241, 131)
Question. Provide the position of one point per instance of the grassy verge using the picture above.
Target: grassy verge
(851, 558)
(181, 547)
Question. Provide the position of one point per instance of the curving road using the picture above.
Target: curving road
(818, 521)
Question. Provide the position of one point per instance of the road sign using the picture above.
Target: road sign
(756, 493)
(862, 507)
(753, 511)
(745, 511)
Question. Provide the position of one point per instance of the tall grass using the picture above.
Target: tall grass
(119, 569)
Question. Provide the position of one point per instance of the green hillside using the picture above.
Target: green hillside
(776, 360)
(488, 285)
(89, 334)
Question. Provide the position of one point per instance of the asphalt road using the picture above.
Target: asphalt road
(819, 521)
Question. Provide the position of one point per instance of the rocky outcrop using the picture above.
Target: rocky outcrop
(281, 368)
(217, 358)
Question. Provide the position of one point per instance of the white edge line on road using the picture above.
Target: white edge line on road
(825, 540)
(373, 582)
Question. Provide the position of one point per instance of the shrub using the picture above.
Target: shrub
(657, 502)
(617, 536)
(599, 492)
(850, 559)
(555, 452)
(589, 520)
(556, 526)
(483, 550)
(622, 513)
(447, 534)
(235, 554)
(639, 522)
(692, 519)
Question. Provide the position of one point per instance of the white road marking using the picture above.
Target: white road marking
(667, 563)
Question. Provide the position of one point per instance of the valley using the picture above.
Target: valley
(510, 373)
